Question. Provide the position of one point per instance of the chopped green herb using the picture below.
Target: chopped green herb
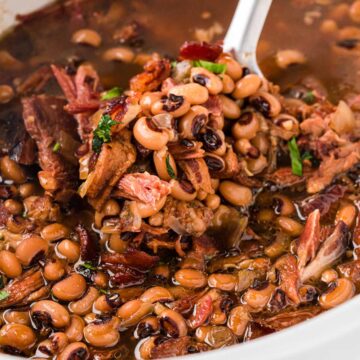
(89, 266)
(306, 156)
(104, 291)
(213, 67)
(173, 64)
(309, 98)
(24, 214)
(296, 163)
(56, 147)
(102, 134)
(169, 168)
(112, 93)
(3, 294)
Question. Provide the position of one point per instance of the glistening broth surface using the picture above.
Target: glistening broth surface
(235, 256)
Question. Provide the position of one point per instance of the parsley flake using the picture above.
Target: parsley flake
(112, 93)
(102, 134)
(56, 147)
(169, 168)
(88, 265)
(309, 98)
(296, 163)
(3, 294)
(211, 66)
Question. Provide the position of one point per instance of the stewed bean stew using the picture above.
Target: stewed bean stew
(159, 199)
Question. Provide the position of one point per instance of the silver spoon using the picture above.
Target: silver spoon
(244, 31)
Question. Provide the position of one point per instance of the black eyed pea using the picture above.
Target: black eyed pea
(54, 270)
(110, 208)
(182, 190)
(9, 264)
(342, 291)
(172, 323)
(144, 348)
(267, 104)
(26, 190)
(54, 344)
(236, 194)
(103, 332)
(258, 298)
(147, 210)
(173, 104)
(74, 331)
(30, 249)
(101, 279)
(247, 86)
(233, 68)
(148, 136)
(148, 99)
(68, 249)
(18, 336)
(246, 126)
(155, 294)
(285, 58)
(13, 207)
(230, 108)
(6, 94)
(283, 205)
(133, 311)
(84, 305)
(121, 53)
(86, 37)
(289, 225)
(194, 93)
(258, 165)
(190, 278)
(75, 350)
(70, 288)
(238, 320)
(16, 317)
(54, 232)
(11, 170)
(101, 305)
(49, 311)
(329, 276)
(346, 213)
(193, 121)
(212, 201)
(147, 327)
(225, 282)
(162, 159)
(228, 83)
(206, 78)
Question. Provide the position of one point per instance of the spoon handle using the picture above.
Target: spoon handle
(245, 29)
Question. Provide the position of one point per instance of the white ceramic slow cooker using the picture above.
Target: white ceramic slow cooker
(330, 336)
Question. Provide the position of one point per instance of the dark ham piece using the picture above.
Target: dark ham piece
(129, 268)
(339, 161)
(81, 92)
(187, 218)
(144, 187)
(155, 72)
(113, 161)
(47, 123)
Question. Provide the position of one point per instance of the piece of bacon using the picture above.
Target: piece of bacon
(289, 277)
(309, 240)
(193, 50)
(147, 188)
(202, 312)
(323, 201)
